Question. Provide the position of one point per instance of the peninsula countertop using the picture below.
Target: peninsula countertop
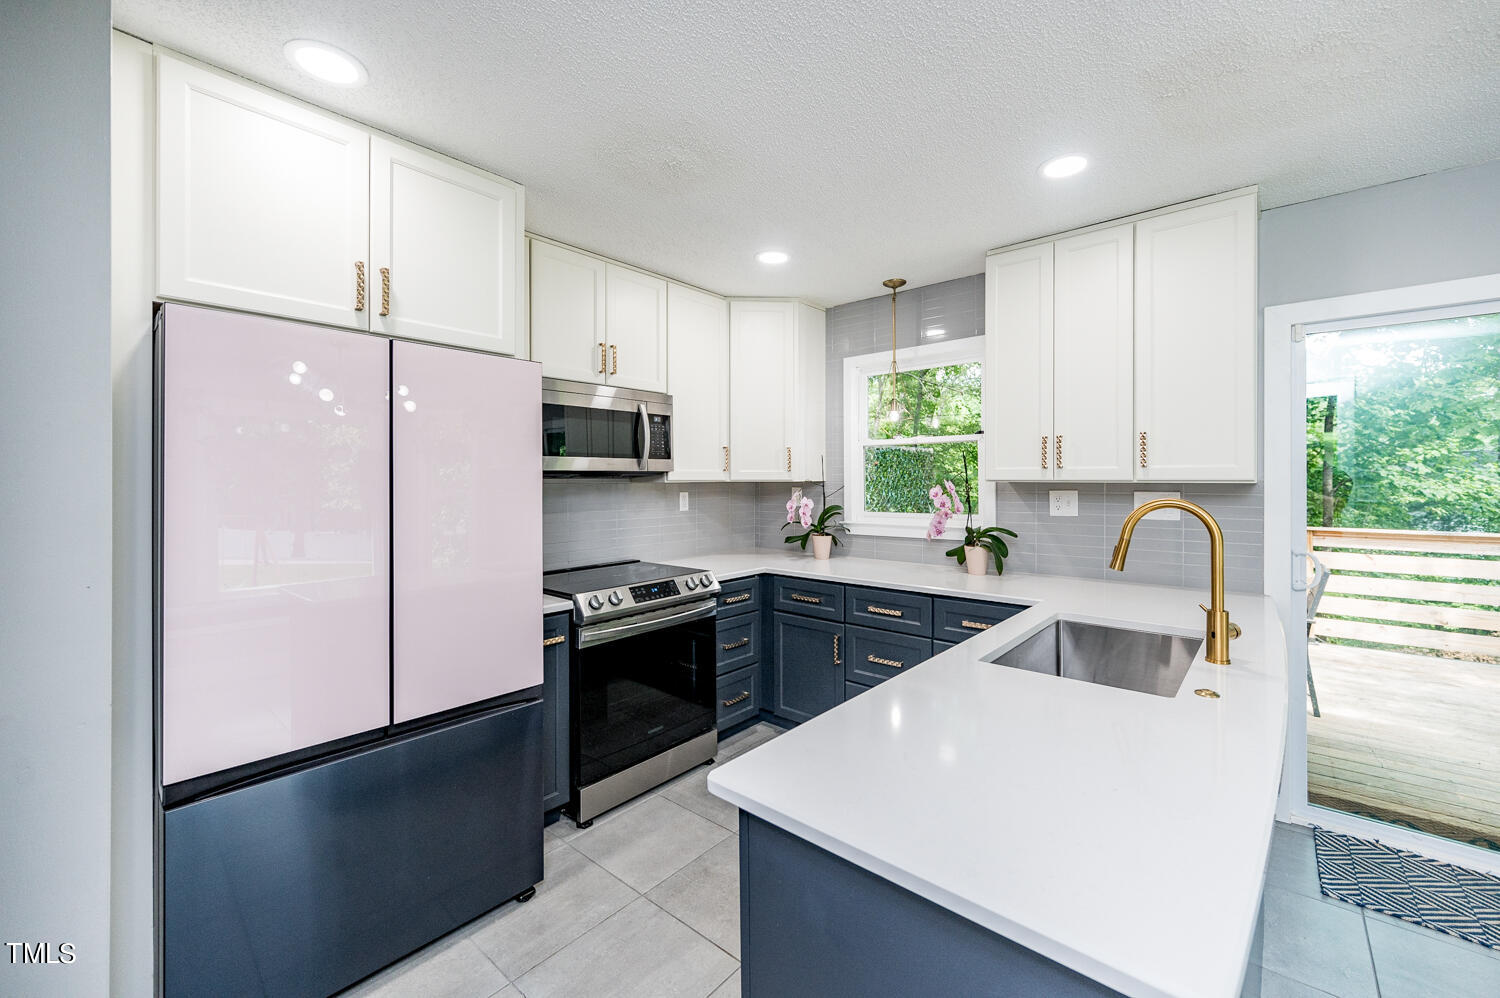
(1121, 834)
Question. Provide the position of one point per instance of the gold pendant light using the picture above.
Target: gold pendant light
(895, 412)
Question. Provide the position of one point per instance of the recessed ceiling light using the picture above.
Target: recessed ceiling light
(326, 63)
(1063, 166)
(772, 256)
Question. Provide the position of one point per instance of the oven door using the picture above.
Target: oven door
(598, 429)
(642, 685)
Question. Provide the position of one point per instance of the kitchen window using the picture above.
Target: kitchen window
(905, 433)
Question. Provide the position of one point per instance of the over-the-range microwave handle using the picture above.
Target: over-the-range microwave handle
(599, 634)
(643, 434)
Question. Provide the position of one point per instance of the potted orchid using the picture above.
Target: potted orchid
(819, 529)
(979, 542)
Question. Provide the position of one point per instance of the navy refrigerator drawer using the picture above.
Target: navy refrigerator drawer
(308, 882)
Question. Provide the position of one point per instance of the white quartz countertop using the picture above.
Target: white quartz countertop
(555, 604)
(1118, 833)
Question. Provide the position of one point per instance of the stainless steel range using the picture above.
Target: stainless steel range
(642, 682)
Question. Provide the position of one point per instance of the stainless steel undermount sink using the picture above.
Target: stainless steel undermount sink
(1144, 661)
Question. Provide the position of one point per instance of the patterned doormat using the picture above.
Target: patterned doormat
(1441, 896)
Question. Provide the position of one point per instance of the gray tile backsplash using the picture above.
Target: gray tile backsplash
(1162, 552)
(588, 520)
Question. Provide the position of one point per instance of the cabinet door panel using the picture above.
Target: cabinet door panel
(698, 378)
(1092, 347)
(762, 361)
(1195, 353)
(1018, 364)
(275, 525)
(636, 329)
(467, 499)
(567, 313)
(263, 203)
(809, 666)
(448, 237)
(555, 692)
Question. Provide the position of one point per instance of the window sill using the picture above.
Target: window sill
(917, 530)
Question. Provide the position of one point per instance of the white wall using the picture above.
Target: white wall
(55, 515)
(132, 151)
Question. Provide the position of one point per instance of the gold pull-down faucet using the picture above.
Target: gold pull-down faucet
(1220, 630)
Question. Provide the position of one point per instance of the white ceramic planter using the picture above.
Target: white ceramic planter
(822, 545)
(976, 559)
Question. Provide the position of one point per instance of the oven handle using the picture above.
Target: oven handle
(598, 634)
(643, 434)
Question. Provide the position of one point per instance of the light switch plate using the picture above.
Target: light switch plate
(1063, 502)
(682, 502)
(1161, 514)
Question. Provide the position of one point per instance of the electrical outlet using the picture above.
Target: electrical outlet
(682, 502)
(1064, 502)
(1161, 514)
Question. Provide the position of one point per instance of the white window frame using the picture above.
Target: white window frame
(857, 372)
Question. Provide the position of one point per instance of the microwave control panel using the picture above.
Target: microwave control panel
(661, 437)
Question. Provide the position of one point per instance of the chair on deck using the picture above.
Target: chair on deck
(1315, 587)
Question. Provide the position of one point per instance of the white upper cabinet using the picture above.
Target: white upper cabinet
(445, 248)
(1091, 349)
(776, 391)
(263, 202)
(568, 313)
(1126, 352)
(1018, 364)
(269, 205)
(698, 378)
(762, 359)
(1195, 351)
(636, 329)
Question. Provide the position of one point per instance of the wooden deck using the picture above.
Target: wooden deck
(1410, 739)
(1409, 732)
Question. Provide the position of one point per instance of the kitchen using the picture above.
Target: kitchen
(1032, 781)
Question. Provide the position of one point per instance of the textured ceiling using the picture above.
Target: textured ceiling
(881, 138)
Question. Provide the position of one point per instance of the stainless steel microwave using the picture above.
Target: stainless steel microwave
(603, 430)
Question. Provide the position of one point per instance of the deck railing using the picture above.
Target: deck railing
(1428, 593)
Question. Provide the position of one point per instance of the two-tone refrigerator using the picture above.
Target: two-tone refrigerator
(348, 647)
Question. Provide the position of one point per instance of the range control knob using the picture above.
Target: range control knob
(692, 583)
(615, 599)
(706, 581)
(595, 602)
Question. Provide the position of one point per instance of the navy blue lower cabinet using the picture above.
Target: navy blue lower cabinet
(874, 656)
(809, 666)
(960, 619)
(555, 679)
(941, 646)
(304, 883)
(812, 925)
(739, 696)
(739, 643)
(852, 690)
(808, 597)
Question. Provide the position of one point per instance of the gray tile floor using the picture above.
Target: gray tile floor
(646, 903)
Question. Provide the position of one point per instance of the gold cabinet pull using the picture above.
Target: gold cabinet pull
(737, 599)
(884, 661)
(788, 459)
(614, 359)
(1044, 453)
(385, 291)
(1143, 448)
(836, 659)
(803, 599)
(1059, 451)
(744, 695)
(726, 457)
(742, 642)
(602, 357)
(975, 625)
(884, 612)
(553, 641)
(359, 285)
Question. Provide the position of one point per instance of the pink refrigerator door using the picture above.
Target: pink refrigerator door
(467, 539)
(275, 538)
